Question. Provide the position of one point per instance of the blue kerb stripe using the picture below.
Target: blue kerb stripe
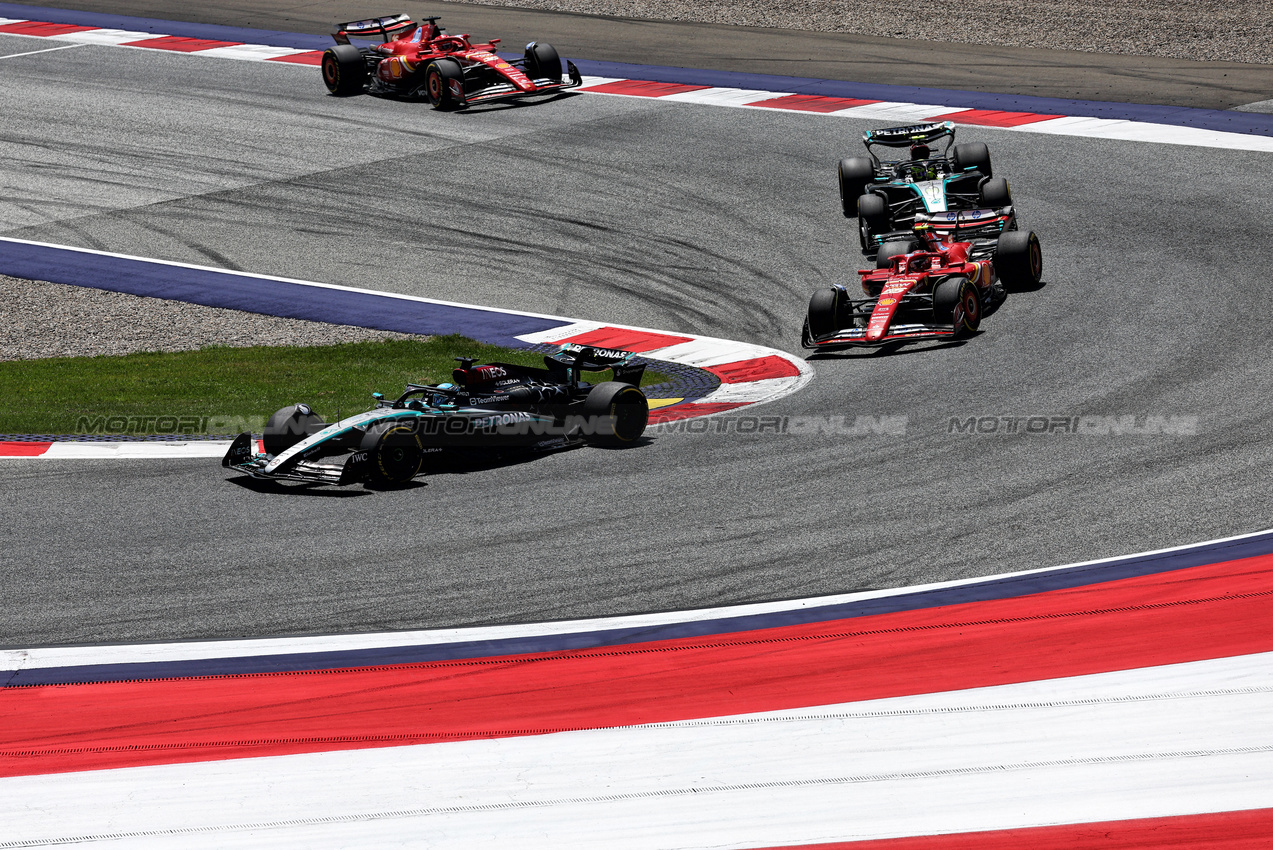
(239, 291)
(1251, 123)
(1002, 588)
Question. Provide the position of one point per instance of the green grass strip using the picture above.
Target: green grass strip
(223, 390)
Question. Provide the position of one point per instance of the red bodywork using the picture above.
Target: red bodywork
(409, 47)
(908, 282)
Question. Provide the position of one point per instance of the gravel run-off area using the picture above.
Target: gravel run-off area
(1203, 30)
(54, 320)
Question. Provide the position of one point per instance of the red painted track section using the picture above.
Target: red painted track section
(1252, 830)
(994, 118)
(812, 103)
(626, 339)
(180, 44)
(1179, 616)
(39, 28)
(643, 88)
(756, 369)
(19, 448)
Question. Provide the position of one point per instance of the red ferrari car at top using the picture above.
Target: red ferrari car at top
(423, 60)
(959, 265)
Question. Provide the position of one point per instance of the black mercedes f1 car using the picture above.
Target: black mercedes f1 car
(489, 407)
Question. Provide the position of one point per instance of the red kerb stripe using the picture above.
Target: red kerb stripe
(642, 88)
(21, 448)
(691, 410)
(314, 57)
(626, 339)
(994, 118)
(756, 369)
(181, 44)
(1247, 830)
(812, 103)
(41, 28)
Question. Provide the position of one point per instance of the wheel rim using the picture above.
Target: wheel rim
(330, 72)
(435, 86)
(1036, 259)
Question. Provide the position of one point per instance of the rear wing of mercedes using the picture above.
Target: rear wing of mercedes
(572, 358)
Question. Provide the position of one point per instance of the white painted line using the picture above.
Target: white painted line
(1110, 746)
(72, 450)
(106, 36)
(251, 52)
(705, 352)
(566, 331)
(750, 392)
(45, 50)
(888, 110)
(725, 96)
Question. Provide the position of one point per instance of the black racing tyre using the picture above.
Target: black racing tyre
(855, 172)
(995, 193)
(617, 414)
(542, 61)
(1019, 259)
(889, 250)
(289, 426)
(824, 312)
(956, 301)
(394, 453)
(438, 76)
(344, 70)
(975, 155)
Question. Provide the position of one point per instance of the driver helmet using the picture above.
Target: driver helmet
(438, 399)
(919, 150)
(924, 232)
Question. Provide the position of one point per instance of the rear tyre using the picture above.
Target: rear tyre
(957, 302)
(872, 218)
(394, 453)
(1019, 259)
(289, 426)
(438, 77)
(617, 412)
(855, 172)
(344, 70)
(995, 193)
(541, 60)
(975, 155)
(889, 250)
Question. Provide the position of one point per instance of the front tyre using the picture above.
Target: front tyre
(957, 302)
(995, 194)
(541, 60)
(824, 313)
(1019, 259)
(394, 453)
(873, 218)
(344, 70)
(975, 155)
(616, 414)
(854, 173)
(288, 426)
(895, 248)
(441, 77)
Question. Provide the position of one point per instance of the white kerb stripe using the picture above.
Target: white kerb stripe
(106, 36)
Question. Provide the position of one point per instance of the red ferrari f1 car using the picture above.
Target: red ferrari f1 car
(934, 286)
(422, 60)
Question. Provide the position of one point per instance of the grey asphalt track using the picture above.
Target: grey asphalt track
(684, 217)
